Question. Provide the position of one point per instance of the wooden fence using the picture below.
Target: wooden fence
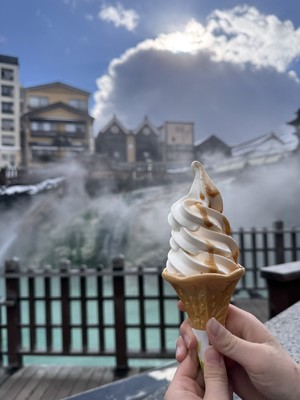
(120, 313)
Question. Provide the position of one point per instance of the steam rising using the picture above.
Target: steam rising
(92, 230)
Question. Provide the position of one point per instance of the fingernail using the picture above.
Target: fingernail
(214, 327)
(212, 356)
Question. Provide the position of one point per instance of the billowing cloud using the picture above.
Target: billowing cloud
(233, 76)
(119, 16)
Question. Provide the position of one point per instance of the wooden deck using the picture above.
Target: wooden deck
(44, 382)
(36, 382)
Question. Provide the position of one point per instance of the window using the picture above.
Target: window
(7, 74)
(7, 124)
(70, 128)
(38, 101)
(7, 91)
(8, 140)
(77, 103)
(74, 128)
(179, 128)
(116, 155)
(7, 108)
(41, 126)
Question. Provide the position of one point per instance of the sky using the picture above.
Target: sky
(232, 68)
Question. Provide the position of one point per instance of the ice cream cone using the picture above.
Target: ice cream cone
(205, 295)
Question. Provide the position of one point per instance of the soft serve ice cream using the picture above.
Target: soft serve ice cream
(202, 264)
(201, 241)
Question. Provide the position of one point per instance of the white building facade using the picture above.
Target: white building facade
(10, 147)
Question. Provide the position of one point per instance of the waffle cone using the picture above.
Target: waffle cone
(205, 295)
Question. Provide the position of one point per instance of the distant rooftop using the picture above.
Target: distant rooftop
(9, 60)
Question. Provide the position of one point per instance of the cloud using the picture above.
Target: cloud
(233, 76)
(119, 16)
(244, 35)
(2, 39)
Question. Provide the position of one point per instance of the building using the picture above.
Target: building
(211, 149)
(171, 143)
(116, 142)
(121, 144)
(178, 142)
(55, 123)
(296, 123)
(268, 145)
(10, 149)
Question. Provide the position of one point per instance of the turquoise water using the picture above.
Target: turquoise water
(132, 315)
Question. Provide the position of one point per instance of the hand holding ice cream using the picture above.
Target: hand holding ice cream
(262, 369)
(202, 263)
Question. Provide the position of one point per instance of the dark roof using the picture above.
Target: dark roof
(253, 144)
(55, 84)
(9, 60)
(55, 106)
(112, 121)
(211, 138)
(295, 121)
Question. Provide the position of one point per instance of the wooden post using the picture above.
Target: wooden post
(84, 311)
(47, 283)
(120, 317)
(142, 308)
(279, 242)
(65, 305)
(100, 304)
(162, 320)
(13, 314)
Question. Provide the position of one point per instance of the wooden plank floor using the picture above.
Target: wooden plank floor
(44, 382)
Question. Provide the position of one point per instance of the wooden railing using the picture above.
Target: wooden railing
(91, 312)
(115, 312)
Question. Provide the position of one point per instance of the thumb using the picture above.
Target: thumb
(230, 345)
(215, 376)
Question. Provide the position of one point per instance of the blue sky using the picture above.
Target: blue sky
(231, 67)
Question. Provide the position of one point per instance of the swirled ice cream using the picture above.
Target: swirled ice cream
(201, 239)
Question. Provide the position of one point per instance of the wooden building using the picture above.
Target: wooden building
(55, 123)
(211, 148)
(120, 144)
(179, 142)
(296, 123)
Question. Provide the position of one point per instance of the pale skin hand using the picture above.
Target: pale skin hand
(257, 366)
(186, 382)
